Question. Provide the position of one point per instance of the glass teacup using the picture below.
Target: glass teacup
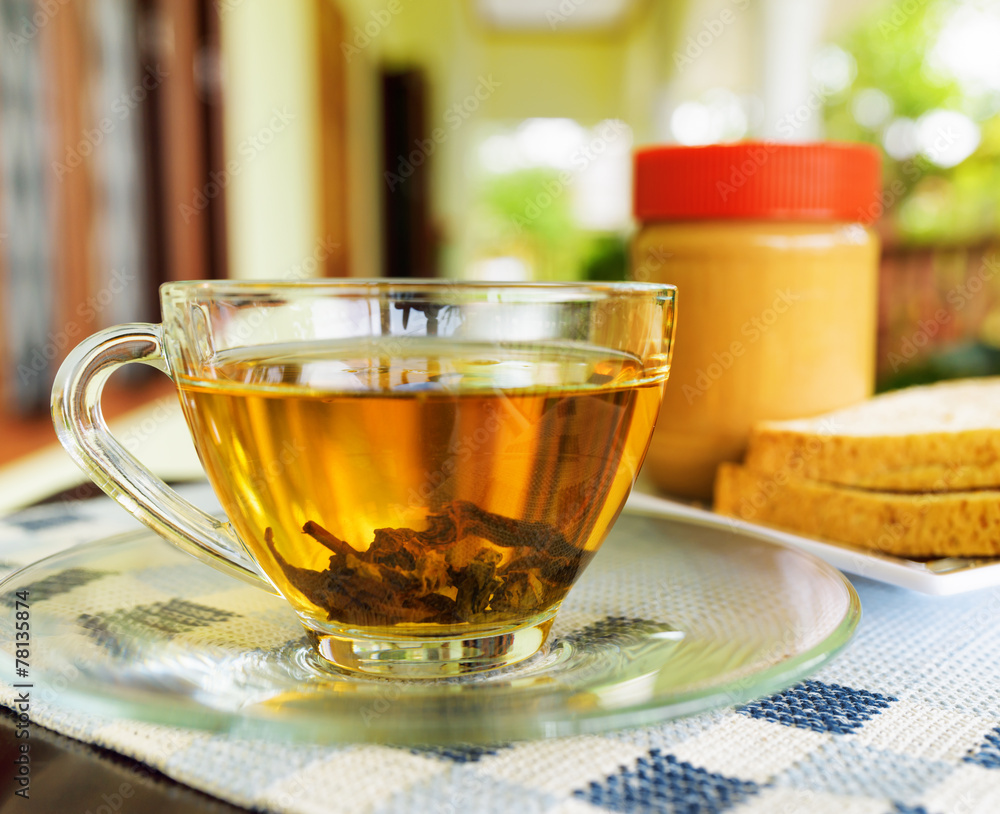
(421, 469)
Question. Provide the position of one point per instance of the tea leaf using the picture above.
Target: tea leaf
(451, 572)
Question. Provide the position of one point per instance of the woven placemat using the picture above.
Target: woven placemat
(905, 720)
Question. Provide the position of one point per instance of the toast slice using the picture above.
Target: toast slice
(940, 437)
(942, 524)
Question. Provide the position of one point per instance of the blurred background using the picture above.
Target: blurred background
(143, 141)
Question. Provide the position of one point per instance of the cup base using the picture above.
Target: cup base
(415, 658)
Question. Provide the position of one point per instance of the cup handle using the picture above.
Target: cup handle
(80, 425)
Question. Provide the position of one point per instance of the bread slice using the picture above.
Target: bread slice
(946, 524)
(941, 437)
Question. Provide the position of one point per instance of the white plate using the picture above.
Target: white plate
(940, 577)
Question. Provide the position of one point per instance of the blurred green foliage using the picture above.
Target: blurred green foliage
(926, 203)
(528, 214)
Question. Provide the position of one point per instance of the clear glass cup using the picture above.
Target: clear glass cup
(420, 469)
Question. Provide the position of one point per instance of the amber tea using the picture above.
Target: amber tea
(419, 488)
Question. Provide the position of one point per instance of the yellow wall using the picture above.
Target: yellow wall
(269, 60)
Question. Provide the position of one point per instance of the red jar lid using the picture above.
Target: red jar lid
(758, 179)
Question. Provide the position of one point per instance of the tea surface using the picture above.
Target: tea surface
(419, 488)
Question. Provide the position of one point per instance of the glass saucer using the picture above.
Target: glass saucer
(670, 619)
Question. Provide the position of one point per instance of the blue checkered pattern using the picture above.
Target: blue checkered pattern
(905, 721)
(819, 707)
(660, 782)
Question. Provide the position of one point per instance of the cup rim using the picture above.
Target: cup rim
(568, 290)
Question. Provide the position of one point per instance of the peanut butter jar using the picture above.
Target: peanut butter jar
(776, 265)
